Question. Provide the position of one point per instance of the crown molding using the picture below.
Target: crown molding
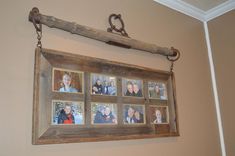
(220, 10)
(199, 14)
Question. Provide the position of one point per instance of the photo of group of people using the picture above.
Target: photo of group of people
(72, 82)
(67, 81)
(103, 84)
(67, 112)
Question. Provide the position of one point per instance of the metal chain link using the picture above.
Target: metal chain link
(39, 37)
(174, 58)
(38, 27)
(172, 66)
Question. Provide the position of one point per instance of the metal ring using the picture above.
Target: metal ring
(113, 27)
(174, 57)
(37, 27)
(34, 16)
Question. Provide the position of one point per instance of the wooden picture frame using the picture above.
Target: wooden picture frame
(50, 102)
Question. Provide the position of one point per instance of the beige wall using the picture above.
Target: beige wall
(222, 33)
(145, 20)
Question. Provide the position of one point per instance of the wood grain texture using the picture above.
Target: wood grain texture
(44, 132)
(100, 35)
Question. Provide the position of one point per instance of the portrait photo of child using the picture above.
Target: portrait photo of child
(67, 112)
(159, 114)
(67, 81)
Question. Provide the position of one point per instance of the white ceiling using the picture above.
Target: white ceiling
(203, 10)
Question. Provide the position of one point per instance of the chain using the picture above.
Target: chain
(172, 66)
(38, 27)
(39, 36)
(173, 58)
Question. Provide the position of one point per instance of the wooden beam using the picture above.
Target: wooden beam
(100, 35)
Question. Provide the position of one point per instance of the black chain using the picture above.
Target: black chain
(172, 66)
(39, 36)
(173, 58)
(38, 28)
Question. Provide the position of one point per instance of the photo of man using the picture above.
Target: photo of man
(67, 112)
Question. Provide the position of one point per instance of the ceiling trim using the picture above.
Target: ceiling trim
(220, 10)
(199, 14)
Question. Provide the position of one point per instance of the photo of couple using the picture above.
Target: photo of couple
(103, 85)
(131, 87)
(103, 113)
(133, 114)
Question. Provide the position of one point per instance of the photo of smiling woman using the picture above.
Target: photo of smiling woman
(132, 87)
(159, 114)
(67, 81)
(133, 114)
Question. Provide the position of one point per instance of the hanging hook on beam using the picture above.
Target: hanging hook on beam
(100, 35)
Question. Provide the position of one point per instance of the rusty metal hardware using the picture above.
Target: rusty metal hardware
(173, 58)
(113, 27)
(34, 17)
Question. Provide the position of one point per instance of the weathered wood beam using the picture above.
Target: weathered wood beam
(100, 35)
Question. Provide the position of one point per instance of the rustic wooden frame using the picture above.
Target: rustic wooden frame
(46, 133)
